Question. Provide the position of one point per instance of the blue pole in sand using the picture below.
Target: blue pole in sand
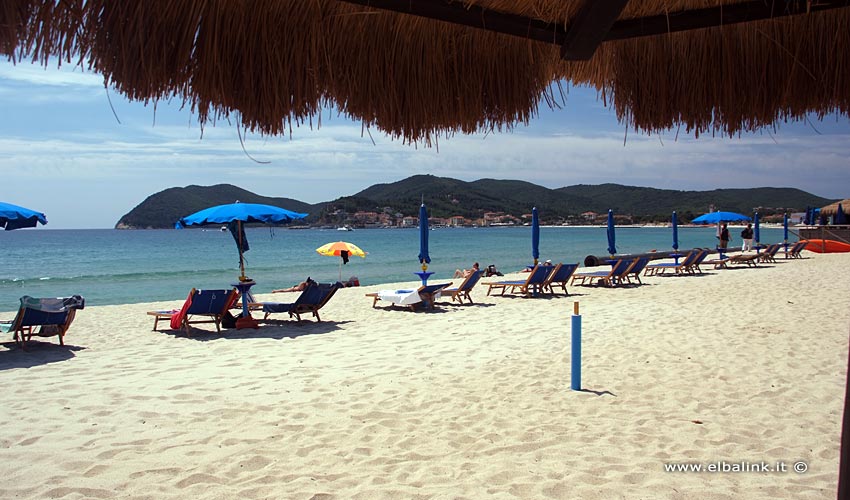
(575, 378)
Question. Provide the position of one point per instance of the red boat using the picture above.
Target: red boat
(827, 246)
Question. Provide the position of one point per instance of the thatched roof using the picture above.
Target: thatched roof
(832, 208)
(274, 63)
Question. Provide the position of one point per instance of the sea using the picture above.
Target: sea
(109, 266)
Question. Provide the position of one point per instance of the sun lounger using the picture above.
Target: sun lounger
(532, 285)
(462, 291)
(769, 253)
(426, 294)
(682, 267)
(43, 317)
(210, 304)
(750, 260)
(634, 270)
(312, 299)
(559, 276)
(609, 278)
(794, 251)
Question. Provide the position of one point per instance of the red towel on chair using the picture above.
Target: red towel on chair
(177, 319)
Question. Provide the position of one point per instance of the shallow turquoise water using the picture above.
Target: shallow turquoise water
(108, 266)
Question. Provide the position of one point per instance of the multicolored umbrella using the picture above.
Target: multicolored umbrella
(15, 217)
(342, 249)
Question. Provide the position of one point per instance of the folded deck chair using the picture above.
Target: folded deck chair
(43, 317)
(559, 276)
(529, 286)
(312, 298)
(750, 260)
(211, 304)
(609, 278)
(682, 267)
(425, 294)
(462, 290)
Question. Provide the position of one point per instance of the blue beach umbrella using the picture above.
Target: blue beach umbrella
(756, 229)
(424, 258)
(235, 215)
(612, 247)
(785, 229)
(839, 218)
(675, 231)
(535, 235)
(718, 217)
(15, 217)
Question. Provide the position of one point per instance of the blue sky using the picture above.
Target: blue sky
(63, 152)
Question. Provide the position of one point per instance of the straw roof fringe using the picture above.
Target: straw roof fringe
(832, 208)
(274, 64)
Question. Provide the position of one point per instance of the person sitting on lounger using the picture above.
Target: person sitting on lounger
(463, 273)
(297, 288)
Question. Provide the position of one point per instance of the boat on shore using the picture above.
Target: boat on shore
(827, 246)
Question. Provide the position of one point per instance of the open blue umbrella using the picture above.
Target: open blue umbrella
(535, 235)
(612, 247)
(675, 231)
(239, 213)
(718, 217)
(756, 230)
(15, 217)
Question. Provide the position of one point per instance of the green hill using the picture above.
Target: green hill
(448, 197)
(163, 209)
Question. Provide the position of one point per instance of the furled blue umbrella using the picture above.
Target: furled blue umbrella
(675, 231)
(424, 258)
(808, 220)
(239, 213)
(756, 230)
(15, 217)
(785, 230)
(612, 247)
(717, 217)
(535, 235)
(839, 217)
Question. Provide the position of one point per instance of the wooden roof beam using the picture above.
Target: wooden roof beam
(589, 28)
(599, 11)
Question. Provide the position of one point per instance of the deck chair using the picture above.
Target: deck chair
(750, 260)
(559, 276)
(425, 294)
(635, 269)
(43, 317)
(681, 267)
(211, 304)
(794, 251)
(700, 258)
(312, 298)
(462, 290)
(530, 286)
(769, 253)
(609, 278)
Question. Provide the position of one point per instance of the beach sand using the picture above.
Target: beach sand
(474, 401)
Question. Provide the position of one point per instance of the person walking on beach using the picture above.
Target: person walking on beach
(747, 236)
(724, 236)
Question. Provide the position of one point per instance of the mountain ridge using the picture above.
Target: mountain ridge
(446, 197)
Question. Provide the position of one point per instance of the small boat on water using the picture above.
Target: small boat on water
(344, 228)
(827, 246)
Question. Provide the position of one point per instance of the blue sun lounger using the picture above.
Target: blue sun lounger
(559, 276)
(312, 298)
(50, 316)
(610, 278)
(530, 286)
(462, 291)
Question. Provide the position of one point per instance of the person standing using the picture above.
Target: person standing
(747, 236)
(724, 236)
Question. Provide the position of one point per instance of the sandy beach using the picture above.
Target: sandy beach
(734, 366)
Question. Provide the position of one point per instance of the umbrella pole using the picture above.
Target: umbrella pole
(241, 260)
(340, 269)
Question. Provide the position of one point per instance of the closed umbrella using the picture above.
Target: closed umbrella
(15, 217)
(839, 217)
(343, 250)
(756, 230)
(675, 231)
(785, 230)
(612, 247)
(535, 235)
(424, 258)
